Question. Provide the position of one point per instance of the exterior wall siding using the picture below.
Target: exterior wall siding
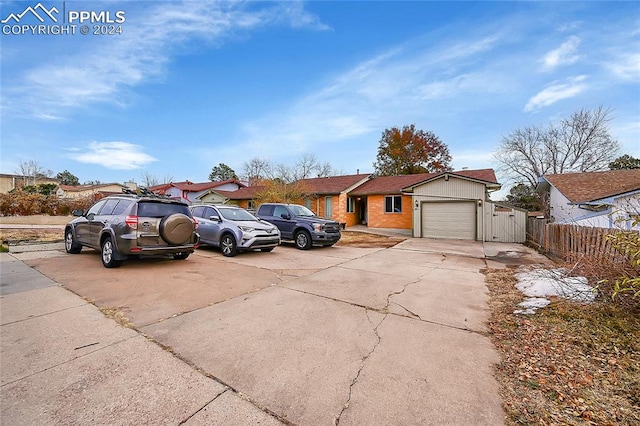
(377, 218)
(454, 188)
(448, 190)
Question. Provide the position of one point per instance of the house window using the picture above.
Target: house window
(328, 204)
(393, 204)
(307, 203)
(350, 205)
(251, 205)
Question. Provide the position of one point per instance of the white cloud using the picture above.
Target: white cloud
(114, 155)
(563, 55)
(626, 67)
(391, 88)
(556, 92)
(118, 63)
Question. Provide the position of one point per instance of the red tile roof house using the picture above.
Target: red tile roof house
(600, 199)
(190, 192)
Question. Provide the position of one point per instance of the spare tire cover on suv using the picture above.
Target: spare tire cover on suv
(176, 228)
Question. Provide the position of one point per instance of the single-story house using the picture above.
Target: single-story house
(606, 199)
(80, 191)
(244, 197)
(9, 182)
(441, 205)
(433, 205)
(190, 192)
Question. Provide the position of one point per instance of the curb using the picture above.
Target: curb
(26, 248)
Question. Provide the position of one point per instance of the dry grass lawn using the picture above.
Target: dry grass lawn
(366, 240)
(567, 364)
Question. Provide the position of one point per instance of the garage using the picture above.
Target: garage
(455, 219)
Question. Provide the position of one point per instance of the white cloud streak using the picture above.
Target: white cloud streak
(556, 92)
(394, 85)
(114, 155)
(563, 55)
(625, 67)
(118, 63)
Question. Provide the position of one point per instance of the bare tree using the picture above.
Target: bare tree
(325, 169)
(152, 180)
(31, 171)
(284, 173)
(306, 165)
(581, 143)
(256, 170)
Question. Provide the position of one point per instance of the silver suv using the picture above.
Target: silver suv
(125, 225)
(234, 229)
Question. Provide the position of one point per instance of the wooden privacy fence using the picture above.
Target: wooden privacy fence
(573, 242)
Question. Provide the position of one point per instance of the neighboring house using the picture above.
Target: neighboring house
(243, 197)
(601, 199)
(190, 192)
(80, 191)
(9, 182)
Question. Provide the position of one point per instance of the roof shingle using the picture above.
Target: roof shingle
(591, 186)
(395, 184)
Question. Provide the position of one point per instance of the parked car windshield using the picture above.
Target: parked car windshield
(301, 211)
(160, 209)
(236, 214)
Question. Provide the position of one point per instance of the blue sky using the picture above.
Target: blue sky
(188, 85)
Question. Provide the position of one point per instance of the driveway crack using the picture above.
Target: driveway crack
(396, 293)
(345, 406)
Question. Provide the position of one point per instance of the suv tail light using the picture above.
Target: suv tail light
(132, 222)
(195, 223)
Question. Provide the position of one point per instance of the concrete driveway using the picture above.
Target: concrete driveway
(328, 336)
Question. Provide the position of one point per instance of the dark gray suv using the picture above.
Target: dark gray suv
(126, 225)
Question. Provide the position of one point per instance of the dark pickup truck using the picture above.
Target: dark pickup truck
(300, 225)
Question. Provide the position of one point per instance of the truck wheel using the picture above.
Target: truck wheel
(228, 245)
(108, 253)
(303, 240)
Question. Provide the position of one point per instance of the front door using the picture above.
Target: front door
(362, 209)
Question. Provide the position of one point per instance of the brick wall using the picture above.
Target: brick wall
(377, 218)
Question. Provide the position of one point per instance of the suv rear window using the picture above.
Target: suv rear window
(159, 209)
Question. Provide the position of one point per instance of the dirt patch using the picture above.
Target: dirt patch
(30, 236)
(569, 363)
(366, 240)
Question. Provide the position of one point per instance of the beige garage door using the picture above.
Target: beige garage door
(456, 220)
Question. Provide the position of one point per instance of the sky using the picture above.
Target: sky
(181, 86)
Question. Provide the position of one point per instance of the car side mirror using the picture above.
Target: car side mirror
(90, 216)
(77, 212)
(285, 216)
(215, 218)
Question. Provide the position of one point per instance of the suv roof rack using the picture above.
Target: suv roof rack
(142, 191)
